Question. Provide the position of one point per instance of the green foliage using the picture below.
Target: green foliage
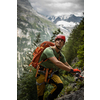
(74, 47)
(26, 86)
(48, 89)
(80, 84)
(69, 89)
(80, 55)
(77, 86)
(38, 40)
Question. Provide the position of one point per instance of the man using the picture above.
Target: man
(56, 61)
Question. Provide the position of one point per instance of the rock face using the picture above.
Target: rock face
(30, 24)
(77, 95)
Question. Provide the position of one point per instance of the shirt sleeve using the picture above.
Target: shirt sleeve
(49, 52)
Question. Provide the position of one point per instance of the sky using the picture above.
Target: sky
(58, 7)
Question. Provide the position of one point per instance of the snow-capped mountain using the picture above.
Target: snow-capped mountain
(65, 23)
(70, 18)
(53, 18)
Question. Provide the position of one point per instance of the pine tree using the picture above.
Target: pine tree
(74, 47)
(55, 34)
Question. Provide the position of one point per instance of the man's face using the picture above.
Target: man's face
(59, 43)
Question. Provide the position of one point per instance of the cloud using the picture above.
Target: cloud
(58, 7)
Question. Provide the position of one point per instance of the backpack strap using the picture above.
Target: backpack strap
(37, 70)
(59, 54)
(39, 66)
(46, 74)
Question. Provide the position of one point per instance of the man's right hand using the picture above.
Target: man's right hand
(75, 71)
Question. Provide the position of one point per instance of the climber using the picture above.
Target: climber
(56, 61)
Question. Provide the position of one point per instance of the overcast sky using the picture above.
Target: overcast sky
(58, 7)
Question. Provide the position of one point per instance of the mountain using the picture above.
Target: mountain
(52, 18)
(29, 25)
(73, 18)
(70, 18)
(28, 20)
(57, 19)
(65, 23)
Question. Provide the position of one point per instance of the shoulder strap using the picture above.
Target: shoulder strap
(59, 54)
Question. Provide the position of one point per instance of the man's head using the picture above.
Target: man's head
(60, 41)
(60, 37)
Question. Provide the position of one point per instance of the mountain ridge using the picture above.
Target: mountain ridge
(70, 18)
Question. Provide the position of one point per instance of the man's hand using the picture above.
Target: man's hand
(79, 77)
(75, 71)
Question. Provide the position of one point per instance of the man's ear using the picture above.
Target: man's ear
(64, 43)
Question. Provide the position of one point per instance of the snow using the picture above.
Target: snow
(66, 24)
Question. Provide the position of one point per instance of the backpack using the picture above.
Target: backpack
(38, 51)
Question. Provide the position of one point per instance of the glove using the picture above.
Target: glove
(75, 71)
(77, 75)
(81, 78)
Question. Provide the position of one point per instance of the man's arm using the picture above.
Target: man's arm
(60, 64)
(68, 65)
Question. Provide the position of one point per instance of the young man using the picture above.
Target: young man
(56, 61)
